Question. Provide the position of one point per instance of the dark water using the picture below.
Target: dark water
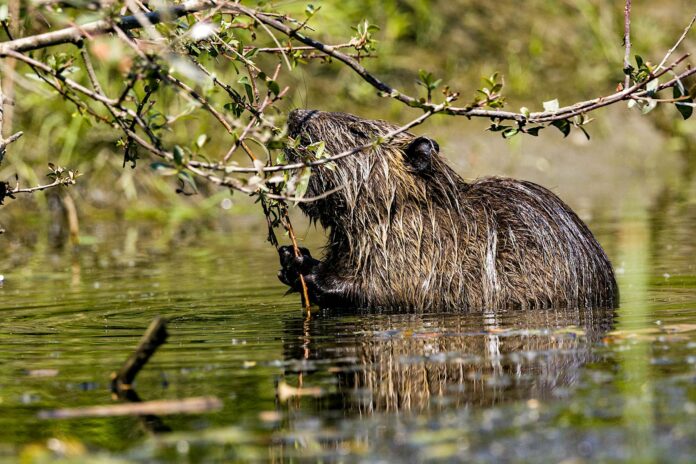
(543, 386)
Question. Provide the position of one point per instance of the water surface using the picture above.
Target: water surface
(528, 386)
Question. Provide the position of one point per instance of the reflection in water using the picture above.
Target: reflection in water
(408, 362)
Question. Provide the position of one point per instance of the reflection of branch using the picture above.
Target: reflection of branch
(149, 409)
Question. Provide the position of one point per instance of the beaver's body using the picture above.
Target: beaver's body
(407, 232)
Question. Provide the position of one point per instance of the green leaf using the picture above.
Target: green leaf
(510, 132)
(318, 148)
(178, 154)
(639, 61)
(244, 80)
(201, 140)
(163, 169)
(303, 183)
(186, 178)
(685, 110)
(563, 126)
(274, 87)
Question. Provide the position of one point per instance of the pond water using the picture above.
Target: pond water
(529, 386)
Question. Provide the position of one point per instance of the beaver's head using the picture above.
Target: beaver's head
(374, 182)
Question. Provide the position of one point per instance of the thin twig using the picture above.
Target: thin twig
(678, 42)
(38, 188)
(76, 33)
(285, 219)
(627, 42)
(387, 90)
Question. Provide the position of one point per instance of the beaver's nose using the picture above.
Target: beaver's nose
(298, 118)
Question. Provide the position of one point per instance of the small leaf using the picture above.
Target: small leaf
(201, 140)
(163, 169)
(510, 132)
(563, 126)
(186, 178)
(178, 154)
(318, 148)
(648, 106)
(639, 61)
(551, 105)
(684, 107)
(274, 87)
(303, 183)
(651, 86)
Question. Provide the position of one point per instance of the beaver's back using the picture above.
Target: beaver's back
(507, 244)
(534, 250)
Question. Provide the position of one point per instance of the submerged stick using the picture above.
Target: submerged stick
(153, 338)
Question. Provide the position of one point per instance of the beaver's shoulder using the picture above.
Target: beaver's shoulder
(507, 192)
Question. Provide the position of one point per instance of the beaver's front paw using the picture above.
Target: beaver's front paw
(293, 266)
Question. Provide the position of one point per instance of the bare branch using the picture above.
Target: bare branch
(627, 42)
(38, 188)
(104, 26)
(385, 89)
(676, 45)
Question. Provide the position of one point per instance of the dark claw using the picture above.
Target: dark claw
(294, 266)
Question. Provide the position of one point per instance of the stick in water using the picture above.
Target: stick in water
(152, 339)
(291, 233)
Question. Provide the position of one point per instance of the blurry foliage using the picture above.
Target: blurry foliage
(543, 49)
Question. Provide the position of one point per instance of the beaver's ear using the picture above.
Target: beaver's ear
(420, 152)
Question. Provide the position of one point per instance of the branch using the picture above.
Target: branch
(627, 42)
(38, 188)
(387, 90)
(7, 192)
(677, 43)
(77, 33)
(4, 142)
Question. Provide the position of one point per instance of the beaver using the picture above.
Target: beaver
(406, 232)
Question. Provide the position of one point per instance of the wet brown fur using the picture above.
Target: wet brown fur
(400, 238)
